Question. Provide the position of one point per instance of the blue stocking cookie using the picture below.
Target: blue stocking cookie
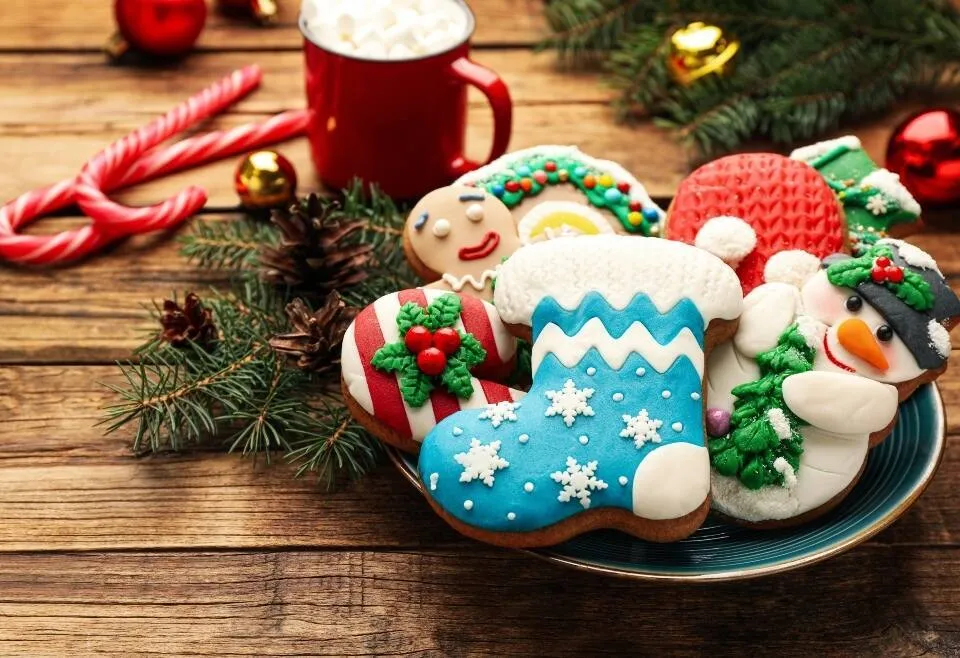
(611, 433)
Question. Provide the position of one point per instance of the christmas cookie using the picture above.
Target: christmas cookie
(746, 208)
(875, 201)
(457, 237)
(414, 357)
(813, 377)
(559, 190)
(611, 433)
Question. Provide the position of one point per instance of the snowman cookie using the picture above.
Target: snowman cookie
(767, 216)
(414, 357)
(611, 433)
(813, 378)
(875, 202)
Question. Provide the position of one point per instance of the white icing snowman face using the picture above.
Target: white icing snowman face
(858, 339)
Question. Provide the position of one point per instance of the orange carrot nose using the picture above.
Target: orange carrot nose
(855, 337)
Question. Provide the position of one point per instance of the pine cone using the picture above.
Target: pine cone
(318, 335)
(314, 256)
(189, 323)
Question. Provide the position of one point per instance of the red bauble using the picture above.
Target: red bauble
(447, 340)
(161, 27)
(925, 151)
(431, 361)
(418, 338)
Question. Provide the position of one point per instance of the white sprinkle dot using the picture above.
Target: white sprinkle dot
(523, 438)
(583, 439)
(528, 487)
(622, 480)
(511, 516)
(677, 427)
(457, 431)
(618, 397)
(666, 394)
(433, 481)
(695, 395)
(591, 371)
(641, 372)
(468, 505)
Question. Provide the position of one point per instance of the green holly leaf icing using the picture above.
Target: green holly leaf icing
(457, 379)
(444, 311)
(471, 352)
(393, 357)
(914, 290)
(851, 273)
(411, 315)
(415, 386)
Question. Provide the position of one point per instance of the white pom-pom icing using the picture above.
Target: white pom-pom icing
(912, 255)
(807, 153)
(939, 338)
(889, 183)
(618, 267)
(794, 266)
(728, 238)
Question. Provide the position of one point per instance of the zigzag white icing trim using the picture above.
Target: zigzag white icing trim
(570, 350)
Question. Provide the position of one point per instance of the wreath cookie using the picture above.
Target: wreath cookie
(611, 433)
(767, 216)
(813, 377)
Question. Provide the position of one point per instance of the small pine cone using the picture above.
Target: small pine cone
(189, 323)
(317, 336)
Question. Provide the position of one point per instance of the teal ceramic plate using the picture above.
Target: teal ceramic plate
(897, 473)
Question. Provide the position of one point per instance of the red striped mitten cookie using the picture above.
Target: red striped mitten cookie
(414, 357)
(767, 216)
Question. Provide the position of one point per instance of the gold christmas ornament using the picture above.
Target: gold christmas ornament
(698, 50)
(265, 179)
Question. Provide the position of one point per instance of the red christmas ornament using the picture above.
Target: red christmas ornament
(417, 339)
(447, 340)
(165, 28)
(925, 151)
(431, 361)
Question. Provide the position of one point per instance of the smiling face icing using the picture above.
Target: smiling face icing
(462, 234)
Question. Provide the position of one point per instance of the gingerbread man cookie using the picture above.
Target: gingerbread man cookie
(813, 377)
(611, 433)
(747, 208)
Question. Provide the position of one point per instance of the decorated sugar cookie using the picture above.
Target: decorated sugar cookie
(611, 433)
(416, 356)
(457, 236)
(813, 378)
(876, 203)
(559, 190)
(748, 207)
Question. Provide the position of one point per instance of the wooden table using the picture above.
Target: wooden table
(210, 554)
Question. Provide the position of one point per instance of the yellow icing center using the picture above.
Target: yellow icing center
(557, 220)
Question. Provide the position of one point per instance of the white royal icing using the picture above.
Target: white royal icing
(457, 283)
(939, 338)
(655, 492)
(840, 402)
(912, 254)
(889, 183)
(481, 462)
(569, 402)
(578, 481)
(813, 151)
(728, 238)
(767, 311)
(641, 428)
(793, 266)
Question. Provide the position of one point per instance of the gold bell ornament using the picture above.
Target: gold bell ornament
(265, 179)
(263, 12)
(698, 50)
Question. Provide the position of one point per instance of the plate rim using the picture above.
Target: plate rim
(744, 574)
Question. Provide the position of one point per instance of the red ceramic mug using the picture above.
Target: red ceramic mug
(398, 123)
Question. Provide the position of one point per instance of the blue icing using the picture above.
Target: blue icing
(663, 327)
(507, 506)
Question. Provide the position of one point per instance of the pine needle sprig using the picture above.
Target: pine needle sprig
(227, 245)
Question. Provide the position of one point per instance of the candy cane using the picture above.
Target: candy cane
(107, 164)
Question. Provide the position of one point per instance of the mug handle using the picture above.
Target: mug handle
(488, 82)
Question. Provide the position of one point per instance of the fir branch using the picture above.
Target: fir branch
(334, 443)
(227, 244)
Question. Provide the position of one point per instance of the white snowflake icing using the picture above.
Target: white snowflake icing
(481, 462)
(877, 204)
(499, 412)
(889, 183)
(641, 428)
(780, 424)
(578, 482)
(569, 402)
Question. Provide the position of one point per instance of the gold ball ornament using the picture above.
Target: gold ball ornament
(265, 179)
(698, 50)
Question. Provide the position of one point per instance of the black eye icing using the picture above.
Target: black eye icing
(854, 303)
(884, 332)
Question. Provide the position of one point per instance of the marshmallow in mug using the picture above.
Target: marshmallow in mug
(386, 29)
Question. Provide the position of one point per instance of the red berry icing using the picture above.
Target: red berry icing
(431, 361)
(879, 275)
(623, 186)
(512, 186)
(418, 338)
(540, 177)
(882, 261)
(550, 165)
(447, 340)
(894, 274)
(636, 206)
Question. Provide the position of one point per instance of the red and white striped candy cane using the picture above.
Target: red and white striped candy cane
(110, 162)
